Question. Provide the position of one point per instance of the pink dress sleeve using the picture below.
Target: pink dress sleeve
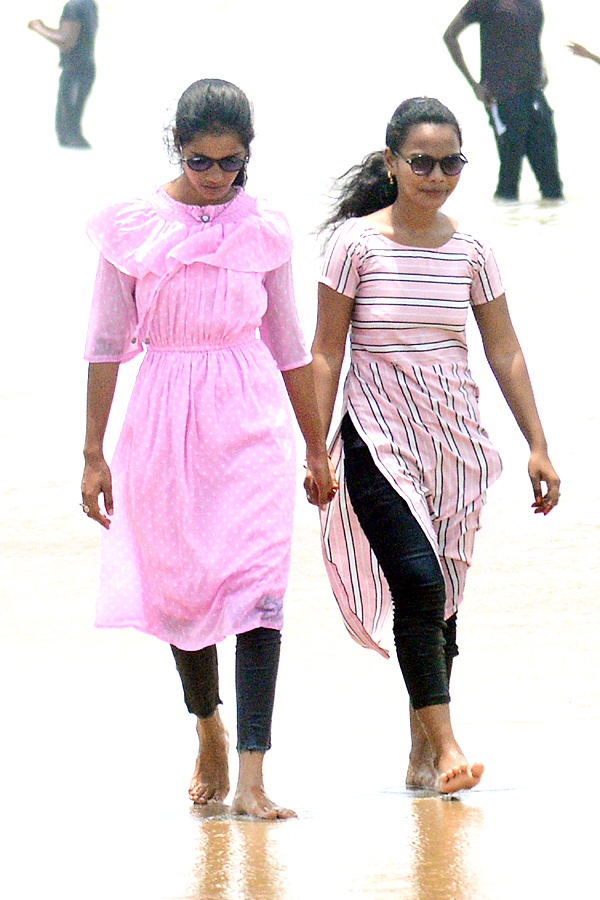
(341, 267)
(280, 328)
(487, 283)
(113, 318)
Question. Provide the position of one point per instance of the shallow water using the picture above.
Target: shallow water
(97, 748)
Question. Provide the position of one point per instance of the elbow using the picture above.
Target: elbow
(450, 38)
(327, 363)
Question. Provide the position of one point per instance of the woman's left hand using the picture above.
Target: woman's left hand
(320, 482)
(541, 471)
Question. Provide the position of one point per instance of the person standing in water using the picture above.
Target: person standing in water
(75, 38)
(513, 79)
(196, 546)
(412, 458)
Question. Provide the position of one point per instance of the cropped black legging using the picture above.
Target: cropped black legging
(425, 643)
(256, 665)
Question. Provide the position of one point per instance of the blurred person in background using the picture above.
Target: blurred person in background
(511, 87)
(75, 38)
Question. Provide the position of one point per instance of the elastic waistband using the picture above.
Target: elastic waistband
(201, 348)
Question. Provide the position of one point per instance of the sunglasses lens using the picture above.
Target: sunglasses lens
(422, 165)
(452, 165)
(199, 163)
(232, 163)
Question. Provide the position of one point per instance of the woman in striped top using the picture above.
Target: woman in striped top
(412, 457)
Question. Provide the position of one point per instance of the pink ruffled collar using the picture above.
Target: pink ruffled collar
(169, 208)
(159, 235)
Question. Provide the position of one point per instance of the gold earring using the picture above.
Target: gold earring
(390, 177)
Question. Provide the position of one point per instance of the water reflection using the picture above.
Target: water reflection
(445, 835)
(235, 858)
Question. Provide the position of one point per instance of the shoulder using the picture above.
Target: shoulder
(74, 10)
(467, 239)
(354, 235)
(125, 213)
(268, 216)
(476, 10)
(127, 231)
(474, 248)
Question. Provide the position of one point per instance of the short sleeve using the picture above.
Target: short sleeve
(341, 266)
(474, 11)
(72, 12)
(113, 319)
(487, 283)
(280, 328)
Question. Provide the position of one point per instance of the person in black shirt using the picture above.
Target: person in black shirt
(513, 78)
(75, 37)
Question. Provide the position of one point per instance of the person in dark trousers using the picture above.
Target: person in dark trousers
(75, 38)
(512, 82)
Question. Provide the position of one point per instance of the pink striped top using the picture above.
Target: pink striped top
(413, 400)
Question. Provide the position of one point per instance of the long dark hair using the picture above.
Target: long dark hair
(365, 188)
(213, 106)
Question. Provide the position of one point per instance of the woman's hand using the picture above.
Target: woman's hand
(97, 480)
(320, 482)
(542, 471)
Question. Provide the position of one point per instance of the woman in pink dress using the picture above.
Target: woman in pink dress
(197, 543)
(412, 458)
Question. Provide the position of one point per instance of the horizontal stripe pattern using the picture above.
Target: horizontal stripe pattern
(413, 400)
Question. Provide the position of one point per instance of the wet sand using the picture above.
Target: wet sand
(98, 748)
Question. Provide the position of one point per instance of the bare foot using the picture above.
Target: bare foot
(456, 774)
(250, 797)
(422, 772)
(210, 780)
(253, 801)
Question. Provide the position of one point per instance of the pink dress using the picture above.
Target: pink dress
(204, 469)
(412, 399)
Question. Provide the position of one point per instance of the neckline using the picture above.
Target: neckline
(411, 246)
(217, 212)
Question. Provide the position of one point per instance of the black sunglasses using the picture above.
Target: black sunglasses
(423, 164)
(201, 163)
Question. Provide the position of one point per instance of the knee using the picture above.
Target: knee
(419, 588)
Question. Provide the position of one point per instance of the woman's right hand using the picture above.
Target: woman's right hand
(320, 482)
(97, 480)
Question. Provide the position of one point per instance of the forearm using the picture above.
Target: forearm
(327, 376)
(102, 381)
(64, 37)
(300, 385)
(512, 376)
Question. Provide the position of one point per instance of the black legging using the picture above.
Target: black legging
(425, 644)
(256, 665)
